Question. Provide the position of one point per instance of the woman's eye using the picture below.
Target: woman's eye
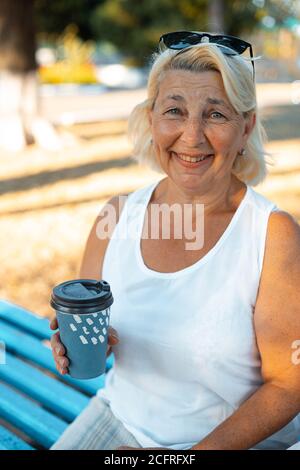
(174, 111)
(217, 115)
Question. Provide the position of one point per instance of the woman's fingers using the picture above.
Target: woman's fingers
(61, 366)
(54, 324)
(61, 370)
(62, 361)
(58, 350)
(113, 337)
(57, 346)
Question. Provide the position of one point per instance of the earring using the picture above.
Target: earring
(242, 152)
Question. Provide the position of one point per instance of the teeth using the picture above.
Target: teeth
(192, 159)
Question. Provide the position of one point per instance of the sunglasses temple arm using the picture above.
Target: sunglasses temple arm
(252, 61)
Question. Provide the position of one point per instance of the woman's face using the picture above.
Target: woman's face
(193, 119)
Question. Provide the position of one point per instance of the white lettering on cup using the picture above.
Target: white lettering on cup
(89, 321)
(83, 340)
(77, 318)
(73, 327)
(94, 340)
(101, 338)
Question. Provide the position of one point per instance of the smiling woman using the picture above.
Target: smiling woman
(196, 128)
(237, 99)
(206, 332)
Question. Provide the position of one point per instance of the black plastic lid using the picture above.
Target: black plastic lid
(82, 294)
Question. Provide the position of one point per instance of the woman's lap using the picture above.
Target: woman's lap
(96, 428)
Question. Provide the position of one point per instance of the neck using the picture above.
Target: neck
(219, 198)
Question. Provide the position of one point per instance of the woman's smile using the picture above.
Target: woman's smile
(192, 162)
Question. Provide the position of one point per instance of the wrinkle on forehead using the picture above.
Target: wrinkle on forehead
(182, 85)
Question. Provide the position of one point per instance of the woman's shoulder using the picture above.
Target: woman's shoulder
(98, 238)
(115, 205)
(282, 242)
(284, 229)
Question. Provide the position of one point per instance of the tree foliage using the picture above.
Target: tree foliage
(55, 15)
(134, 26)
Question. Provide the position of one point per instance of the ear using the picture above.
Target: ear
(250, 121)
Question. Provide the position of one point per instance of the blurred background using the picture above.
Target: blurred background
(71, 71)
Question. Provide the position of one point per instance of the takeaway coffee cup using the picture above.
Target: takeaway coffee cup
(82, 309)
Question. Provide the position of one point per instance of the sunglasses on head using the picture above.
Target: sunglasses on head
(230, 45)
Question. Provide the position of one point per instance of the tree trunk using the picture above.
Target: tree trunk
(216, 16)
(20, 120)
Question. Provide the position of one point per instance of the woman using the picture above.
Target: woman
(206, 357)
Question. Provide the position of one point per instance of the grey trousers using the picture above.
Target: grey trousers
(96, 428)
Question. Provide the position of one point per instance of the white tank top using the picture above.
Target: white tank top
(187, 357)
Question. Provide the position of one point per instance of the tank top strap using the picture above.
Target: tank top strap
(263, 209)
(133, 211)
(141, 195)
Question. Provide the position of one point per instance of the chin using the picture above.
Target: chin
(189, 182)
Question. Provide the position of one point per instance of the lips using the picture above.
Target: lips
(182, 159)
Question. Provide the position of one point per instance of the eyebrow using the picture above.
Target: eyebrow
(208, 100)
(174, 97)
(216, 101)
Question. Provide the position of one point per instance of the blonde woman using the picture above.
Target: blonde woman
(207, 352)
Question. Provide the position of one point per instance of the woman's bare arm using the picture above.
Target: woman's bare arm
(277, 326)
(96, 244)
(91, 268)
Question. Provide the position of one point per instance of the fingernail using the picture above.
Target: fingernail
(58, 350)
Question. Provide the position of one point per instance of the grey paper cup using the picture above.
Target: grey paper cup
(82, 309)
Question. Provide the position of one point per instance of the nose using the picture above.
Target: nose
(193, 132)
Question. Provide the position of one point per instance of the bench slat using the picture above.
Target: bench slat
(31, 348)
(55, 395)
(8, 441)
(27, 416)
(25, 320)
(33, 324)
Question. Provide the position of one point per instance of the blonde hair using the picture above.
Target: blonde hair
(239, 84)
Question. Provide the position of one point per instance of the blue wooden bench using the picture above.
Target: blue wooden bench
(36, 402)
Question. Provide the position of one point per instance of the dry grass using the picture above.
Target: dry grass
(49, 202)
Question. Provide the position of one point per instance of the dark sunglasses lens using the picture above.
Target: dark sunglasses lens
(235, 44)
(180, 40)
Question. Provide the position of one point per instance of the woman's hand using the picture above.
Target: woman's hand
(59, 351)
